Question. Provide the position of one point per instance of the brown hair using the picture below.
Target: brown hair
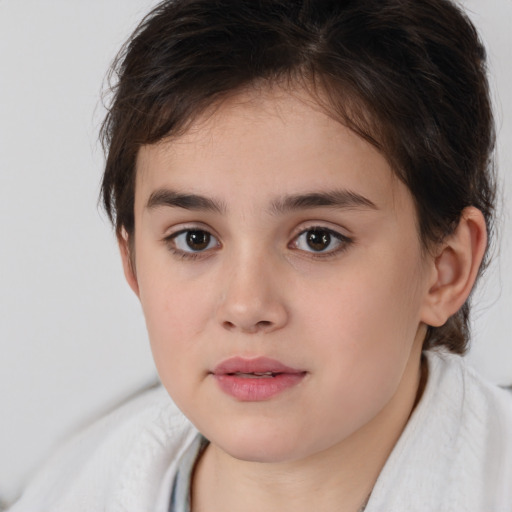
(407, 75)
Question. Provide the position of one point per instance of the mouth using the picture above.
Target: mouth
(255, 375)
(259, 367)
(252, 380)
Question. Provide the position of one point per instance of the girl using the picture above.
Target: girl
(303, 194)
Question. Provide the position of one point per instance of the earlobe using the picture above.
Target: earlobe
(125, 248)
(456, 268)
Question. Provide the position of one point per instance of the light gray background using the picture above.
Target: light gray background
(72, 337)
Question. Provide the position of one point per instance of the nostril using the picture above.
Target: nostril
(228, 325)
(263, 324)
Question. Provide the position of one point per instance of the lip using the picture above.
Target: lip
(254, 380)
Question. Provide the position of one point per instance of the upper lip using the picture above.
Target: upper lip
(256, 365)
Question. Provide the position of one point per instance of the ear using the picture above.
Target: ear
(455, 268)
(126, 249)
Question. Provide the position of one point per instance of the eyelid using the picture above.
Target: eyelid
(336, 232)
(176, 231)
(344, 240)
(323, 225)
(183, 227)
(212, 240)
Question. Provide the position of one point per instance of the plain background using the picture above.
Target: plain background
(72, 336)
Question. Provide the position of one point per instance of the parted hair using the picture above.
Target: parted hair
(409, 76)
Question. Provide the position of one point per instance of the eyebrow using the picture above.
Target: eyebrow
(173, 199)
(345, 199)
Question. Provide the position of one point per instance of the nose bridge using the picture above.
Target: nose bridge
(251, 300)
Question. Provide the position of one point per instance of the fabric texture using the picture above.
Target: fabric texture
(180, 496)
(454, 455)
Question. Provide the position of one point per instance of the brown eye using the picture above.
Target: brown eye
(321, 240)
(318, 240)
(198, 240)
(193, 240)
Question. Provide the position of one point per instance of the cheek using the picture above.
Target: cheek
(366, 321)
(174, 325)
(363, 308)
(176, 315)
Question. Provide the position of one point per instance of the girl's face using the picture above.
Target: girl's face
(279, 268)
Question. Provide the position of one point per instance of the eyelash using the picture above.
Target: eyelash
(343, 243)
(170, 241)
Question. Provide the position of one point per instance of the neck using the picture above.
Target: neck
(309, 484)
(338, 479)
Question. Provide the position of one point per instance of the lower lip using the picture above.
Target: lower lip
(248, 389)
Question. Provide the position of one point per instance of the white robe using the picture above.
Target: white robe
(455, 454)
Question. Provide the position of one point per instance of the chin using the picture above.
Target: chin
(262, 453)
(262, 445)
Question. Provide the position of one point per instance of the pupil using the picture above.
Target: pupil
(318, 240)
(198, 240)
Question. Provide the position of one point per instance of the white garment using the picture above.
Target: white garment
(126, 462)
(455, 454)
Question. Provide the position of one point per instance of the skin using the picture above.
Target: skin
(352, 315)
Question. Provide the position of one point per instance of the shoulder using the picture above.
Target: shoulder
(455, 453)
(118, 463)
(471, 395)
(480, 410)
(480, 414)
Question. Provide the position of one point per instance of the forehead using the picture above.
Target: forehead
(262, 143)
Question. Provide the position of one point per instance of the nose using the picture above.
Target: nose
(252, 300)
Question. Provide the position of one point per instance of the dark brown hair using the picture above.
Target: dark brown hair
(407, 75)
